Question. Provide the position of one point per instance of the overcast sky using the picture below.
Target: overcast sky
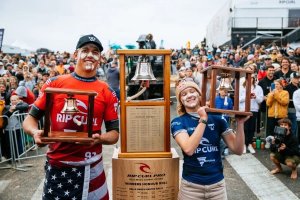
(57, 24)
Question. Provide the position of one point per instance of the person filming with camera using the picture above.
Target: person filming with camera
(284, 148)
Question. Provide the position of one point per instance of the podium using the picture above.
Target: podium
(145, 178)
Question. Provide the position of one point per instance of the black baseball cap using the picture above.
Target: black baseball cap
(89, 39)
(295, 75)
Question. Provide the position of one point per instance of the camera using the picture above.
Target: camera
(279, 135)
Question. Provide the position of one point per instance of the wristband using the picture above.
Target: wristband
(203, 121)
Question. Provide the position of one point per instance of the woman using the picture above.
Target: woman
(257, 96)
(195, 132)
(277, 103)
(38, 88)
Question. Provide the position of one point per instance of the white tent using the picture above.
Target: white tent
(15, 50)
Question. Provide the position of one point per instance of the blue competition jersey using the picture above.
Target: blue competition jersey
(205, 165)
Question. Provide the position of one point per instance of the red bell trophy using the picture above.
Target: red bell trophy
(145, 166)
(69, 108)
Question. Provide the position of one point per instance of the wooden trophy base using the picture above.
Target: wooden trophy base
(70, 137)
(145, 178)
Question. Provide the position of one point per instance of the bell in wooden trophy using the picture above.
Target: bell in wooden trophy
(70, 108)
(227, 75)
(225, 82)
(143, 72)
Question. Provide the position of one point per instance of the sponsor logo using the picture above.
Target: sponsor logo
(203, 160)
(144, 167)
(93, 39)
(206, 146)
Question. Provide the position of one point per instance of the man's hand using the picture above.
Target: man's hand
(97, 138)
(282, 147)
(37, 134)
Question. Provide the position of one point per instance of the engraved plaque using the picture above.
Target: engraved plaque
(145, 128)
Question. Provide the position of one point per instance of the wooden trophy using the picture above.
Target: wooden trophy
(226, 73)
(70, 108)
(145, 167)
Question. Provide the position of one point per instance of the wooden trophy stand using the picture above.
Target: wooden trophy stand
(145, 167)
(236, 73)
(71, 137)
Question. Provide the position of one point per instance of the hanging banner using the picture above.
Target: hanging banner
(1, 37)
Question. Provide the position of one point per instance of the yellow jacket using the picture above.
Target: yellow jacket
(278, 104)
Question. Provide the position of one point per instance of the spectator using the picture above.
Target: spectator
(2, 70)
(296, 101)
(277, 102)
(286, 152)
(113, 78)
(17, 106)
(256, 97)
(24, 94)
(262, 73)
(285, 71)
(291, 88)
(36, 91)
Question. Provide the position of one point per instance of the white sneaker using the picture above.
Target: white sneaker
(250, 148)
(245, 149)
(267, 145)
(226, 151)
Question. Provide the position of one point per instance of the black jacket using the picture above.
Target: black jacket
(291, 144)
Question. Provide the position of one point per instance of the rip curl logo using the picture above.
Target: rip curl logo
(81, 104)
(204, 141)
(175, 124)
(211, 126)
(93, 39)
(144, 167)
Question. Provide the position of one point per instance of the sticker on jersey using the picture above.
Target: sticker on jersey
(224, 118)
(211, 126)
(116, 105)
(203, 160)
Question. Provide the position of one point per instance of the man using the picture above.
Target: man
(291, 88)
(285, 150)
(265, 84)
(75, 165)
(195, 132)
(262, 71)
(285, 71)
(113, 77)
(41, 68)
(296, 101)
(2, 70)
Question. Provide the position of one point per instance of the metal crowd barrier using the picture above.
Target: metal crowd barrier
(22, 146)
